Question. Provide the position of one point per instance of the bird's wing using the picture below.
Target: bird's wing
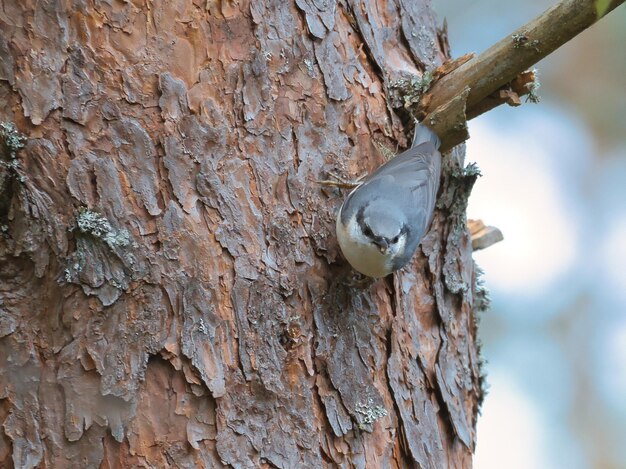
(409, 181)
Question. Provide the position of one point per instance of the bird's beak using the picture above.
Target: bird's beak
(383, 246)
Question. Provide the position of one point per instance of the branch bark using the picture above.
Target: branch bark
(503, 62)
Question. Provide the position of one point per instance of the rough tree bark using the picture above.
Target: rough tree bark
(171, 290)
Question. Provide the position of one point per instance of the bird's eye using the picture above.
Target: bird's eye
(395, 239)
(368, 232)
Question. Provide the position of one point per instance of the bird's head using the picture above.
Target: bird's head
(383, 227)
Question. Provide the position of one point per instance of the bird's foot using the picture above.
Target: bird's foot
(360, 281)
(337, 181)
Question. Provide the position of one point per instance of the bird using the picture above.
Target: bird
(382, 221)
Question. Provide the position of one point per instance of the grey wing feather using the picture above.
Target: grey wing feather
(409, 181)
(415, 184)
(417, 158)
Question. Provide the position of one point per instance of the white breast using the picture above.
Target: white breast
(360, 253)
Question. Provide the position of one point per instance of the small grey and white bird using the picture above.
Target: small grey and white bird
(382, 221)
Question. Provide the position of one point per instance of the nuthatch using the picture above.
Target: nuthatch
(382, 221)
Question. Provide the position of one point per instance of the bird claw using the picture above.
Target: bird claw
(338, 181)
(360, 281)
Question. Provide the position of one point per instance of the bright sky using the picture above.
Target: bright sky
(520, 194)
(510, 431)
(538, 169)
(555, 338)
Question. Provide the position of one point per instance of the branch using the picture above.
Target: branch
(496, 70)
(482, 235)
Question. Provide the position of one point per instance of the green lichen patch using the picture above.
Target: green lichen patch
(453, 200)
(521, 41)
(533, 88)
(481, 303)
(482, 299)
(105, 260)
(406, 92)
(368, 413)
(76, 265)
(11, 140)
(93, 223)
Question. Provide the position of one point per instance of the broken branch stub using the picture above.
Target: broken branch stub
(449, 121)
(482, 235)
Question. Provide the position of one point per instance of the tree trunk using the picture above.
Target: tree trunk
(172, 294)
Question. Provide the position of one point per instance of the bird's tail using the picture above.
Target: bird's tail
(424, 134)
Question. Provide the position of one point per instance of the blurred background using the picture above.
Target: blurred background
(554, 182)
